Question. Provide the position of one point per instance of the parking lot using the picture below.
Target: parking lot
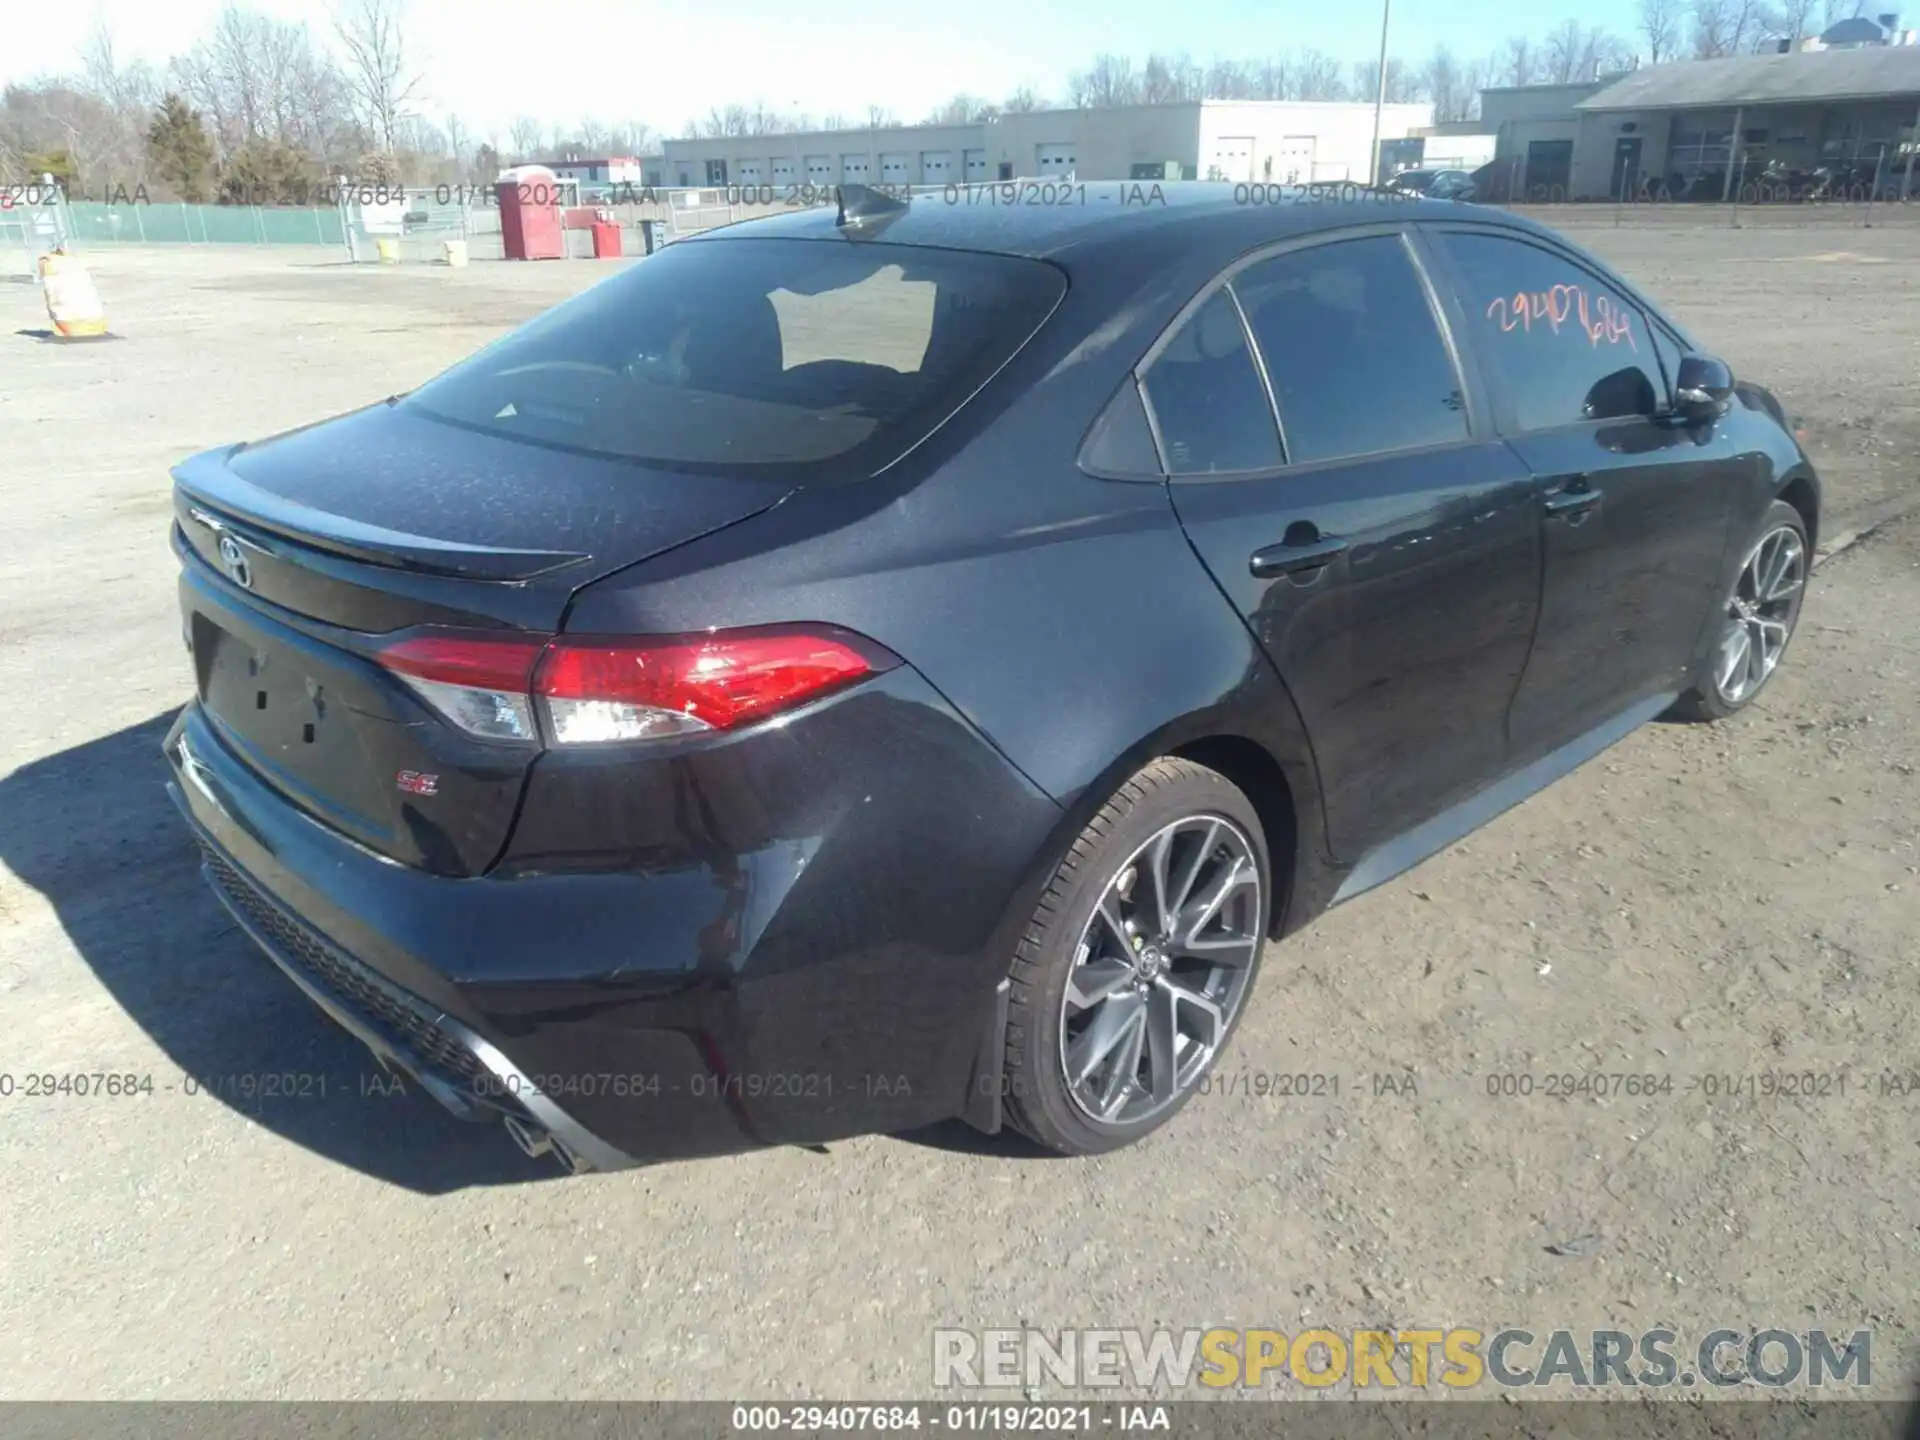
(1713, 905)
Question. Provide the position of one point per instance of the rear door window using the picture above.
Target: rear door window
(1209, 402)
(811, 360)
(1562, 346)
(1353, 350)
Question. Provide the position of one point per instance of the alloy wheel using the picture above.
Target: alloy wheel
(1160, 970)
(1760, 614)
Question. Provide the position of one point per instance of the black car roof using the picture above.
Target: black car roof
(1064, 220)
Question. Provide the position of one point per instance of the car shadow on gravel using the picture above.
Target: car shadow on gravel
(92, 829)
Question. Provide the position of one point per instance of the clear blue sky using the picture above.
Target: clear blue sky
(667, 60)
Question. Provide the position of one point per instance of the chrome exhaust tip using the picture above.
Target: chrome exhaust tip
(531, 1139)
(535, 1142)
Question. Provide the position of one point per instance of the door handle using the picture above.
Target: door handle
(1576, 499)
(1291, 557)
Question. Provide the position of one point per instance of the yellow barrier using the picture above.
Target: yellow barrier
(72, 302)
(389, 250)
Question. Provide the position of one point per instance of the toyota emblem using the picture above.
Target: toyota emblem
(234, 560)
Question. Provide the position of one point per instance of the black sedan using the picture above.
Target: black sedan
(1435, 184)
(904, 661)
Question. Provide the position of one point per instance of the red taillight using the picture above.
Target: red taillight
(478, 682)
(600, 688)
(505, 664)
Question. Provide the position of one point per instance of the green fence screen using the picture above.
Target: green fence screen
(162, 223)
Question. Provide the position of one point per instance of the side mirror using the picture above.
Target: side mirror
(1703, 390)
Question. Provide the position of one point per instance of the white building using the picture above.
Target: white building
(1281, 142)
(598, 169)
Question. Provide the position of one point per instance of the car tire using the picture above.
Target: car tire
(1726, 684)
(1172, 991)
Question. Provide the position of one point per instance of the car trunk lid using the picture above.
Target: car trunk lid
(306, 554)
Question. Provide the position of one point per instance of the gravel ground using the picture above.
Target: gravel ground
(1704, 904)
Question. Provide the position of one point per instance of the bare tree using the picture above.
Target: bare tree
(1441, 76)
(1023, 101)
(1834, 11)
(1521, 66)
(960, 110)
(1363, 81)
(1789, 20)
(1231, 80)
(527, 136)
(383, 77)
(1317, 77)
(255, 79)
(1712, 28)
(1477, 76)
(1660, 28)
(1171, 80)
(1109, 81)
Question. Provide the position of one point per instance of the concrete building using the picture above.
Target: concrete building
(1701, 129)
(1278, 141)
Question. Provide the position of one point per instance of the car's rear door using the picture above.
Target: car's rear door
(1632, 501)
(1380, 543)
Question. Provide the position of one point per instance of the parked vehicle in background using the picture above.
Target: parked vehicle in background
(1435, 184)
(864, 667)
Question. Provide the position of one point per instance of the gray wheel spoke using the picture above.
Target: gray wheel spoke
(1110, 912)
(1200, 913)
(1185, 997)
(1163, 1044)
(1093, 981)
(1733, 659)
(1112, 1022)
(1183, 891)
(1766, 562)
(1223, 947)
(1756, 655)
(1159, 854)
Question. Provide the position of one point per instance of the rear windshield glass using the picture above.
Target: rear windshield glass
(812, 359)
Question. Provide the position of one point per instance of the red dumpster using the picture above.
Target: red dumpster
(606, 240)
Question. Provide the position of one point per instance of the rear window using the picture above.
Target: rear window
(813, 360)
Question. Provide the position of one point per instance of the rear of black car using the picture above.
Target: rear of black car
(643, 895)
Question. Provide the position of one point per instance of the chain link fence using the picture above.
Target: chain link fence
(33, 222)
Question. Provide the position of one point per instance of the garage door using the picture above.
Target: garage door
(896, 167)
(936, 167)
(750, 172)
(1057, 159)
(1232, 158)
(1293, 161)
(976, 165)
(783, 171)
(819, 169)
(853, 167)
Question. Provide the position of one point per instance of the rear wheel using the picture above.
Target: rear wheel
(1138, 960)
(1756, 621)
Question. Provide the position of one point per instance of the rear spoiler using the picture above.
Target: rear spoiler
(204, 484)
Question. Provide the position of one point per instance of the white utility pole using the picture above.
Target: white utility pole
(1380, 95)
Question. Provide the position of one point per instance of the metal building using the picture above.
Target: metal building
(1280, 142)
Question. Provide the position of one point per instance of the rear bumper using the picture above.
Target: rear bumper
(642, 1007)
(466, 1074)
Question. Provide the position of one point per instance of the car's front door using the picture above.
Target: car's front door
(1381, 545)
(1634, 503)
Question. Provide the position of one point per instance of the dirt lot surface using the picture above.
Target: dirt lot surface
(1714, 906)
